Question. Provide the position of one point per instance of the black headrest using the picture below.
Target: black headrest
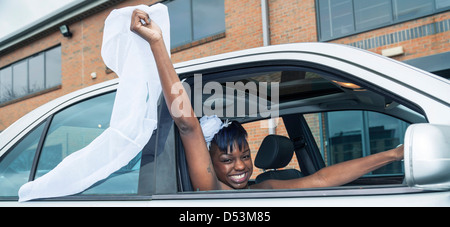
(275, 152)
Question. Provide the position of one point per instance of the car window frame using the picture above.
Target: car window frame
(50, 121)
(144, 192)
(222, 72)
(38, 152)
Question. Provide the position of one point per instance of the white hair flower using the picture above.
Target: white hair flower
(211, 125)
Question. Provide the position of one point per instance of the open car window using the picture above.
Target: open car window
(344, 120)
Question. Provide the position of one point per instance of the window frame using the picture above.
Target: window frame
(50, 123)
(392, 21)
(146, 186)
(237, 71)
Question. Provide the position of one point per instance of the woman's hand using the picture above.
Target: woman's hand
(398, 153)
(149, 30)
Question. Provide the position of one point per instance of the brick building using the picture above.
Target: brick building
(39, 64)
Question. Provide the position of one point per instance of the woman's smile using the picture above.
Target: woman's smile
(239, 178)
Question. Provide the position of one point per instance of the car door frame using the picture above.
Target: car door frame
(367, 71)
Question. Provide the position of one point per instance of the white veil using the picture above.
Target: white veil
(134, 115)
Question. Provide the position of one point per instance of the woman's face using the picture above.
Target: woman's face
(233, 168)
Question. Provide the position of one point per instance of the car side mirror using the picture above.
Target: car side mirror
(427, 156)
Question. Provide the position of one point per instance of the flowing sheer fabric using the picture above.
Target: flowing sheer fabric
(134, 115)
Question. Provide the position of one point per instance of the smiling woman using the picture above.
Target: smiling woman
(228, 165)
(232, 161)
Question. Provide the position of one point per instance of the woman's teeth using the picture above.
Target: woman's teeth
(239, 177)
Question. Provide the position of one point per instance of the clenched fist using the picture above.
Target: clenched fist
(142, 25)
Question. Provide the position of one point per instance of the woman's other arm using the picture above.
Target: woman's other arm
(339, 174)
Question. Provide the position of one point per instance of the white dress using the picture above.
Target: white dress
(134, 115)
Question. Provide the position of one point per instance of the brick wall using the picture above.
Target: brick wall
(292, 21)
(243, 26)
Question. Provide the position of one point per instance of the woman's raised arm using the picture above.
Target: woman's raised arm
(201, 169)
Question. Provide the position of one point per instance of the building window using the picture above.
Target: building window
(339, 18)
(31, 75)
(192, 20)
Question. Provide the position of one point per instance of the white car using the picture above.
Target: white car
(335, 103)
